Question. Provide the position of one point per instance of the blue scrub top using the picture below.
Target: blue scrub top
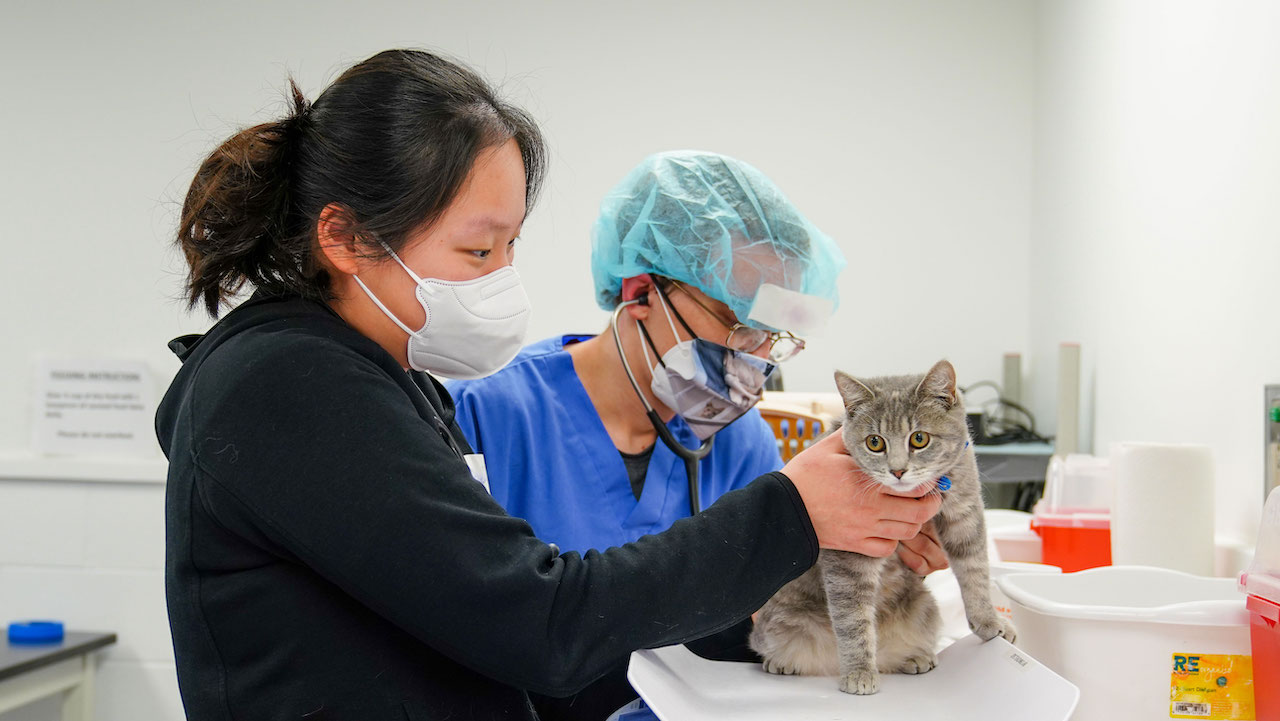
(551, 461)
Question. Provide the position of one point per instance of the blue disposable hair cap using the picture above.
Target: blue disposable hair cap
(718, 224)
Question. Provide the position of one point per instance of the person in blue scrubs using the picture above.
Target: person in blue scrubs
(693, 235)
(711, 275)
(553, 459)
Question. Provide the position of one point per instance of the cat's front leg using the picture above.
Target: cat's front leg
(962, 530)
(851, 581)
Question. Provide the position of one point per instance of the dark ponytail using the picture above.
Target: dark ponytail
(234, 226)
(390, 141)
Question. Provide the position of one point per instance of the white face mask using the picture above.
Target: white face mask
(707, 384)
(472, 328)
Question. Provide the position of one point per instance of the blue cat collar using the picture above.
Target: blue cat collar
(35, 632)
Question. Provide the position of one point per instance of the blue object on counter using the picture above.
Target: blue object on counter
(35, 632)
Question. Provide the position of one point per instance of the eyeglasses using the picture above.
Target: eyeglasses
(782, 346)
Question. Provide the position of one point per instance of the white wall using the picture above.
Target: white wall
(1122, 151)
(902, 129)
(1154, 243)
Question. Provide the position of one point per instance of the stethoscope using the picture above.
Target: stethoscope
(690, 456)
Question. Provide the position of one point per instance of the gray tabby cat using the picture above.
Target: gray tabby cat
(860, 616)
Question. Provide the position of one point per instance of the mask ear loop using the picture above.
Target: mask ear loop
(385, 310)
(407, 269)
(670, 310)
(650, 347)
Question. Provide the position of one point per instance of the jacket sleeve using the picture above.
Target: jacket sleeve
(319, 451)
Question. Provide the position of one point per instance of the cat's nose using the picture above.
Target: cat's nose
(898, 474)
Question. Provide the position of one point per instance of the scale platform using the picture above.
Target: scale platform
(991, 681)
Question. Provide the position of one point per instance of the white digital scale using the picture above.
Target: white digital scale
(992, 681)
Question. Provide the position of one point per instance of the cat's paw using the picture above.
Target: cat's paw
(918, 664)
(1009, 633)
(862, 682)
(773, 666)
(1000, 626)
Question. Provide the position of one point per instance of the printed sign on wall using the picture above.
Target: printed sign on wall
(93, 407)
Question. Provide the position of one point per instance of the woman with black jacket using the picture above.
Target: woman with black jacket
(332, 552)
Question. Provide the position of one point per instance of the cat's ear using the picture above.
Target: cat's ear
(939, 383)
(852, 390)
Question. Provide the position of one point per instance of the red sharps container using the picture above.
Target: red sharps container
(1262, 584)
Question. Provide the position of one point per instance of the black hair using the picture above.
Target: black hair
(390, 142)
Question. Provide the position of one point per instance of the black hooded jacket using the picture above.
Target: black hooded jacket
(329, 555)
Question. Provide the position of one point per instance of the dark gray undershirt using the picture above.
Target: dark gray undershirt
(637, 466)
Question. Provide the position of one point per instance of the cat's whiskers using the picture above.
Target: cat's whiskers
(866, 485)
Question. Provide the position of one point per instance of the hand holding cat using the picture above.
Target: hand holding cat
(851, 512)
(923, 554)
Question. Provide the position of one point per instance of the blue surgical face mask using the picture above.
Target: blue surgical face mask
(706, 384)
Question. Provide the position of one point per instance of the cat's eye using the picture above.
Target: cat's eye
(919, 440)
(875, 444)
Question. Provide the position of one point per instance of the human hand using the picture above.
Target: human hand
(850, 511)
(923, 554)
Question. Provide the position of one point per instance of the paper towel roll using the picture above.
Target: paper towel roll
(1162, 513)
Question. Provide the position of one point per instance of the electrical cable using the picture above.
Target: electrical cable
(1002, 430)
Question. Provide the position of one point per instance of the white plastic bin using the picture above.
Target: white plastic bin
(946, 591)
(1135, 639)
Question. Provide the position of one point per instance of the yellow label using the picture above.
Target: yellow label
(1211, 686)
